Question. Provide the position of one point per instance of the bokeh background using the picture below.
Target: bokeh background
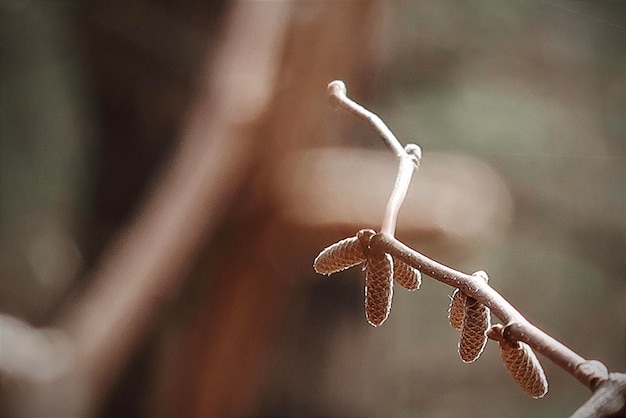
(169, 171)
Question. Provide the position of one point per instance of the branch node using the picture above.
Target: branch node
(513, 332)
(415, 153)
(365, 236)
(608, 399)
(594, 371)
(495, 333)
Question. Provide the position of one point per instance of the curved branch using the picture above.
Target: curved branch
(406, 167)
(337, 92)
(409, 157)
(609, 396)
(517, 328)
(609, 399)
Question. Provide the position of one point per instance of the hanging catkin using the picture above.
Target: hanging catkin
(457, 309)
(339, 256)
(473, 319)
(406, 276)
(476, 322)
(521, 362)
(378, 288)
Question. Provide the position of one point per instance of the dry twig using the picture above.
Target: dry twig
(474, 298)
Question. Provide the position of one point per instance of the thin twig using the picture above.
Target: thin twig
(409, 157)
(398, 193)
(609, 388)
(517, 328)
(337, 92)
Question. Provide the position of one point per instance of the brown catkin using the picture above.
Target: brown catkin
(476, 322)
(521, 362)
(406, 276)
(339, 256)
(457, 309)
(378, 288)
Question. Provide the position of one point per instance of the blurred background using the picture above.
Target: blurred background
(169, 171)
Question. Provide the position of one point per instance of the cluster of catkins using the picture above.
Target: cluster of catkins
(466, 314)
(473, 320)
(380, 272)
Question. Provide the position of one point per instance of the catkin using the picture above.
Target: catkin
(378, 288)
(476, 322)
(521, 362)
(457, 309)
(406, 276)
(339, 256)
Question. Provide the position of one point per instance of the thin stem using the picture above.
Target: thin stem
(409, 157)
(517, 326)
(398, 193)
(337, 92)
(590, 373)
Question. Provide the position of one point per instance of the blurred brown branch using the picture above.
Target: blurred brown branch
(146, 265)
(229, 148)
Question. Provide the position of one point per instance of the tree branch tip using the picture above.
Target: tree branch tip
(337, 91)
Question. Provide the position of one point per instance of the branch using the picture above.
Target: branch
(517, 328)
(337, 93)
(387, 259)
(409, 157)
(609, 399)
(146, 266)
